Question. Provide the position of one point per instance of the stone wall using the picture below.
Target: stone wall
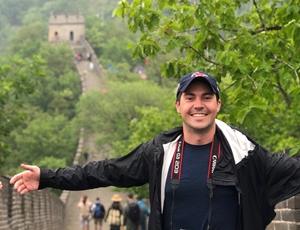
(287, 215)
(68, 28)
(39, 210)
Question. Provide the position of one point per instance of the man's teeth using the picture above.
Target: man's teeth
(198, 114)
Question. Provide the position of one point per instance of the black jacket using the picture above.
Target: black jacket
(262, 179)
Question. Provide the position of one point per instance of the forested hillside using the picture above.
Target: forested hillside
(41, 110)
(39, 86)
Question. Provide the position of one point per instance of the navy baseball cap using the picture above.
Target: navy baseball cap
(186, 80)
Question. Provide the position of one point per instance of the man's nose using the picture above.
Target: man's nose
(198, 103)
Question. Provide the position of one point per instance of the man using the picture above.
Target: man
(132, 213)
(203, 175)
(145, 211)
(98, 214)
(84, 206)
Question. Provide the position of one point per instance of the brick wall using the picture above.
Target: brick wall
(287, 215)
(39, 210)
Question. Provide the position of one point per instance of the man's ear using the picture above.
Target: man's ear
(177, 104)
(219, 105)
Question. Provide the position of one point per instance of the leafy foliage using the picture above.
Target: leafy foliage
(51, 162)
(59, 91)
(28, 39)
(14, 84)
(111, 41)
(112, 112)
(250, 46)
(150, 122)
(39, 90)
(44, 136)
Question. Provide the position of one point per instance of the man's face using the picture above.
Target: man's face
(198, 107)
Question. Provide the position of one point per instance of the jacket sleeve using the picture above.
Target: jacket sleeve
(282, 174)
(126, 171)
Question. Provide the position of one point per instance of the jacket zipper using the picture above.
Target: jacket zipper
(211, 194)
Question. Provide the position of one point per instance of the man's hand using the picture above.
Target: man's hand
(28, 180)
(1, 186)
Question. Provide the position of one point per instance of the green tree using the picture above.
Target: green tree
(110, 40)
(35, 90)
(59, 90)
(14, 84)
(51, 162)
(251, 46)
(28, 39)
(45, 136)
(110, 114)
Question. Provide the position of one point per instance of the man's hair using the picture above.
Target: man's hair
(130, 195)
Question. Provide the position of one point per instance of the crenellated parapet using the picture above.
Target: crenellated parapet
(64, 19)
(39, 210)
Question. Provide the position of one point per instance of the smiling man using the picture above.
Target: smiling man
(198, 104)
(203, 175)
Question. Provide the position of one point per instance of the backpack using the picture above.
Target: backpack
(134, 212)
(98, 211)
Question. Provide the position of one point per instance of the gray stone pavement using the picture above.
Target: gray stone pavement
(91, 81)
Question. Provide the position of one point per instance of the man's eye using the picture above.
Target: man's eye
(208, 97)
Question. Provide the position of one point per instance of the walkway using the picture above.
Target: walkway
(90, 82)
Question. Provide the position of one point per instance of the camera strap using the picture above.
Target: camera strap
(177, 160)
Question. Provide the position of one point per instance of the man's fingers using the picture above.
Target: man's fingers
(25, 190)
(21, 188)
(28, 167)
(18, 183)
(16, 178)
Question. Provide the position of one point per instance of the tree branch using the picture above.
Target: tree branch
(286, 97)
(259, 15)
(253, 32)
(251, 78)
(202, 56)
(290, 66)
(265, 29)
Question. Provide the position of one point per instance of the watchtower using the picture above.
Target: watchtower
(64, 27)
